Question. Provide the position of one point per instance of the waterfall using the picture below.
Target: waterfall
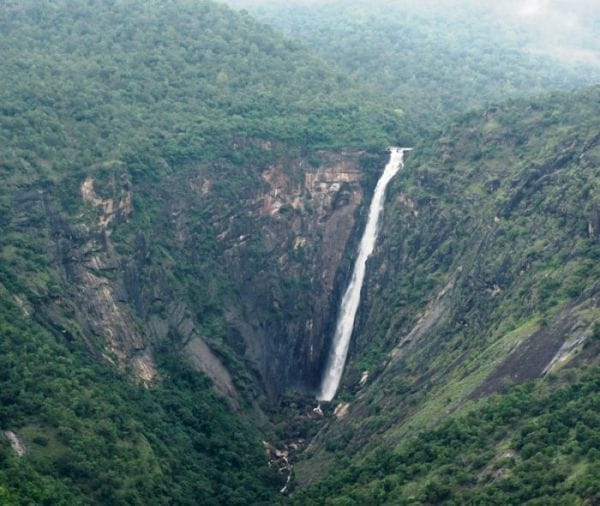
(351, 298)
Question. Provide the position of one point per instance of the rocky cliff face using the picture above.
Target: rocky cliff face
(91, 273)
(307, 216)
(253, 279)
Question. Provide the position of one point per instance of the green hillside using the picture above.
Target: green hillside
(182, 191)
(535, 445)
(486, 278)
(179, 78)
(428, 60)
(94, 438)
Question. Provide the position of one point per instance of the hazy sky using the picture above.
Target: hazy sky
(566, 29)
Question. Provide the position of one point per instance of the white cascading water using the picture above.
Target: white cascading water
(351, 299)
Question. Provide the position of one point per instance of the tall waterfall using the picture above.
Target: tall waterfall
(351, 299)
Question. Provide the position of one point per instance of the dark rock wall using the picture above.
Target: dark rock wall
(250, 262)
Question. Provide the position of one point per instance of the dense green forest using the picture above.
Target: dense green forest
(182, 192)
(93, 438)
(183, 78)
(426, 60)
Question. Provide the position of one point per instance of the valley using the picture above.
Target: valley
(219, 286)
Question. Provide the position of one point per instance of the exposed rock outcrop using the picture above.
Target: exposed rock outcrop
(282, 244)
(203, 359)
(15, 443)
(100, 312)
(307, 215)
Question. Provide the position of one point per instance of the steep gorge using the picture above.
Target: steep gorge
(281, 248)
(182, 200)
(181, 186)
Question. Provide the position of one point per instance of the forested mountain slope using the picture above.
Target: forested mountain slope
(486, 277)
(429, 60)
(167, 170)
(182, 190)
